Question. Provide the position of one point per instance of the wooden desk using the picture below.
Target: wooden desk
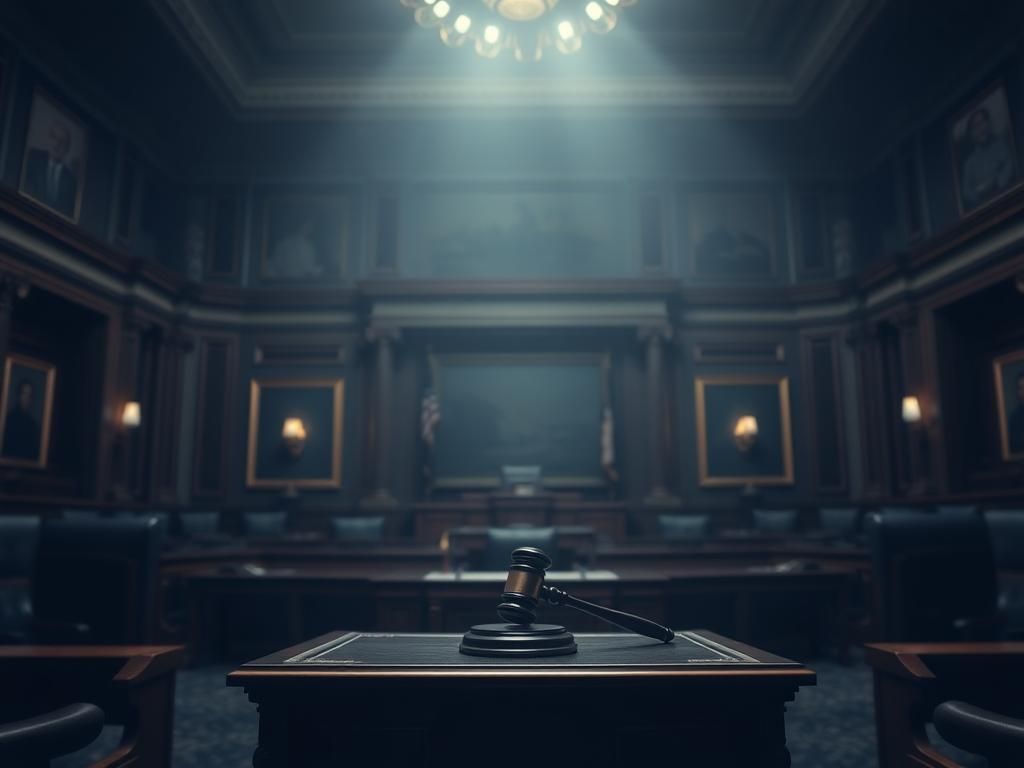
(911, 679)
(238, 614)
(132, 684)
(413, 700)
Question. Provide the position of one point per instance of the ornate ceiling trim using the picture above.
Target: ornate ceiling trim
(257, 96)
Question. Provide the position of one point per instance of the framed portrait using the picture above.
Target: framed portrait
(744, 433)
(1008, 371)
(984, 152)
(26, 410)
(295, 433)
(56, 149)
(305, 238)
(732, 234)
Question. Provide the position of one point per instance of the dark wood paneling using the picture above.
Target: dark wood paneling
(218, 371)
(225, 237)
(824, 396)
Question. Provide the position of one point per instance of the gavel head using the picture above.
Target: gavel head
(522, 588)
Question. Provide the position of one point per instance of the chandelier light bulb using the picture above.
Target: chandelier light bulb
(524, 27)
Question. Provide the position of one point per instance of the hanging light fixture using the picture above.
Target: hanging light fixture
(525, 27)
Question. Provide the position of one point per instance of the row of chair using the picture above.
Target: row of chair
(829, 521)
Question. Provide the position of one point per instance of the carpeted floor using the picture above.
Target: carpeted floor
(829, 726)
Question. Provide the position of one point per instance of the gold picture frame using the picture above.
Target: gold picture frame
(19, 421)
(778, 422)
(1011, 435)
(265, 438)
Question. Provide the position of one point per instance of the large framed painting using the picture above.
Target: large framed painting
(1009, 380)
(984, 152)
(304, 238)
(295, 428)
(26, 410)
(732, 234)
(56, 149)
(519, 230)
(744, 435)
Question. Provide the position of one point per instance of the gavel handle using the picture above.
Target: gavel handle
(641, 626)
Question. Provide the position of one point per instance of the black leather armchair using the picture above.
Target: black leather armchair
(997, 738)
(933, 576)
(501, 541)
(34, 742)
(97, 581)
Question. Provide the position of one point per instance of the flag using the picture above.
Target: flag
(430, 417)
(608, 445)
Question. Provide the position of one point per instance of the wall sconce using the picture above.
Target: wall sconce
(745, 433)
(131, 415)
(293, 435)
(911, 410)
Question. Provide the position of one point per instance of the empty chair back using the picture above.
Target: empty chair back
(775, 520)
(19, 535)
(79, 514)
(1006, 531)
(199, 524)
(683, 527)
(358, 529)
(264, 524)
(933, 577)
(840, 521)
(497, 553)
(97, 581)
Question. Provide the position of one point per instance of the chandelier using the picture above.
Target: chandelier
(525, 27)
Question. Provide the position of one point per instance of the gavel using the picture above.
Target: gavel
(525, 588)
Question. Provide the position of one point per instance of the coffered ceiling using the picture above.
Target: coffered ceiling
(274, 58)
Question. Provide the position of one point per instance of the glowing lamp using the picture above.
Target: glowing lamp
(745, 432)
(131, 415)
(293, 435)
(911, 410)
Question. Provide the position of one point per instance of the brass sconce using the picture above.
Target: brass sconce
(745, 433)
(131, 415)
(293, 435)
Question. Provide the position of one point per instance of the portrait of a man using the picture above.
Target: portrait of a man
(732, 235)
(53, 169)
(984, 155)
(26, 408)
(304, 238)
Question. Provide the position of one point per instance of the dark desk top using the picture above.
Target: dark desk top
(358, 655)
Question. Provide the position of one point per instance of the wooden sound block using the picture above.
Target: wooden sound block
(519, 640)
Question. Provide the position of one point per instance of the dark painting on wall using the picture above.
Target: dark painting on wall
(732, 234)
(56, 149)
(744, 434)
(26, 410)
(984, 153)
(519, 231)
(306, 453)
(1009, 381)
(305, 238)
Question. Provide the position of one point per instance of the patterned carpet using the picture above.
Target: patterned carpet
(829, 726)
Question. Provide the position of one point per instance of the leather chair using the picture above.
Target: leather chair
(80, 514)
(358, 529)
(683, 527)
(497, 553)
(198, 525)
(933, 577)
(839, 521)
(775, 521)
(997, 738)
(19, 536)
(34, 742)
(264, 525)
(97, 581)
(1006, 532)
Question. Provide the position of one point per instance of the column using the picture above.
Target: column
(384, 339)
(654, 337)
